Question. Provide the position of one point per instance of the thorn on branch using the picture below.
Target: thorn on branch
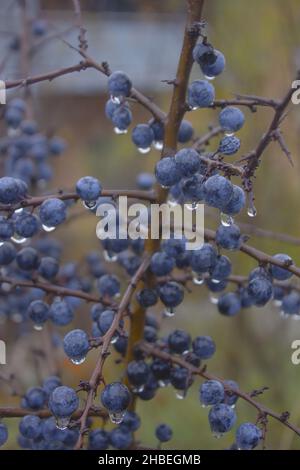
(259, 391)
(106, 68)
(285, 416)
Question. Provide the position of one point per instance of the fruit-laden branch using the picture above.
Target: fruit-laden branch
(153, 351)
(96, 376)
(21, 412)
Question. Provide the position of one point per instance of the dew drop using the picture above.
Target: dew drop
(117, 418)
(217, 435)
(115, 99)
(144, 150)
(277, 303)
(229, 134)
(209, 77)
(194, 108)
(119, 131)
(252, 212)
(1, 243)
(163, 383)
(215, 281)
(18, 239)
(232, 406)
(90, 204)
(158, 144)
(114, 339)
(62, 422)
(198, 279)
(214, 300)
(79, 360)
(204, 406)
(18, 211)
(180, 394)
(164, 186)
(47, 228)
(109, 257)
(139, 389)
(226, 220)
(169, 312)
(38, 327)
(172, 202)
(192, 206)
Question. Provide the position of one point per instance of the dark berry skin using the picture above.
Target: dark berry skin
(142, 136)
(63, 401)
(137, 372)
(120, 438)
(98, 439)
(171, 294)
(161, 369)
(115, 397)
(179, 341)
(163, 433)
(221, 418)
(229, 304)
(147, 297)
(28, 259)
(161, 264)
(119, 84)
(211, 392)
(204, 347)
(180, 378)
(248, 436)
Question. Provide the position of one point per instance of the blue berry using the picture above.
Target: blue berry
(7, 253)
(204, 347)
(76, 345)
(204, 259)
(88, 188)
(144, 181)
(280, 273)
(30, 426)
(211, 392)
(160, 369)
(12, 190)
(229, 304)
(28, 259)
(137, 372)
(147, 297)
(291, 304)
(96, 311)
(164, 433)
(229, 145)
(61, 313)
(119, 84)
(63, 401)
(98, 439)
(57, 146)
(50, 383)
(35, 398)
(173, 247)
(187, 161)
(237, 201)
(230, 397)
(3, 434)
(122, 118)
(201, 94)
(115, 397)
(142, 136)
(218, 191)
(221, 418)
(109, 285)
(179, 341)
(229, 237)
(26, 225)
(161, 264)
(180, 378)
(13, 117)
(158, 130)
(105, 320)
(110, 108)
(52, 212)
(38, 312)
(120, 438)
(167, 172)
(261, 290)
(39, 27)
(212, 65)
(248, 436)
(6, 228)
(131, 421)
(222, 268)
(171, 294)
(193, 188)
(231, 119)
(48, 267)
(185, 132)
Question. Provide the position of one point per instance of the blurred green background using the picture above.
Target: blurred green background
(261, 42)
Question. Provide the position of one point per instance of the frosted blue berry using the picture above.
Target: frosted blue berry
(237, 201)
(291, 304)
(204, 259)
(12, 190)
(171, 294)
(48, 267)
(7, 253)
(261, 290)
(88, 188)
(63, 401)
(280, 273)
(26, 224)
(137, 372)
(38, 312)
(185, 132)
(167, 172)
(147, 297)
(230, 397)
(98, 439)
(50, 383)
(248, 436)
(122, 118)
(187, 161)
(221, 418)
(28, 259)
(144, 181)
(211, 392)
(61, 313)
(120, 438)
(6, 228)
(30, 426)
(229, 145)
(119, 85)
(204, 347)
(179, 341)
(212, 64)
(142, 136)
(53, 212)
(193, 188)
(161, 264)
(229, 304)
(222, 268)
(115, 397)
(231, 119)
(218, 191)
(3, 434)
(35, 398)
(76, 345)
(109, 285)
(164, 433)
(201, 94)
(229, 237)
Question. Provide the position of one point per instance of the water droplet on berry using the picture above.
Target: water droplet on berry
(38, 327)
(284, 315)
(79, 360)
(252, 212)
(226, 220)
(163, 383)
(139, 389)
(198, 279)
(109, 257)
(47, 228)
(144, 150)
(115, 99)
(90, 204)
(180, 394)
(209, 77)
(214, 300)
(194, 108)
(1, 243)
(217, 435)
(229, 134)
(172, 202)
(120, 131)
(17, 239)
(204, 406)
(192, 206)
(277, 303)
(117, 418)
(215, 281)
(62, 422)
(164, 186)
(232, 406)
(19, 210)
(158, 144)
(169, 312)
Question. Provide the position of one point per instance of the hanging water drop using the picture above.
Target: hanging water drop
(169, 312)
(18, 239)
(209, 77)
(252, 212)
(47, 228)
(117, 418)
(277, 303)
(194, 108)
(214, 300)
(180, 394)
(226, 220)
(163, 383)
(119, 131)
(109, 257)
(114, 339)
(144, 150)
(62, 422)
(215, 281)
(204, 406)
(158, 144)
(192, 206)
(19, 210)
(198, 279)
(164, 186)
(229, 134)
(38, 327)
(217, 435)
(139, 389)
(90, 204)
(1, 243)
(115, 99)
(78, 361)
(172, 202)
